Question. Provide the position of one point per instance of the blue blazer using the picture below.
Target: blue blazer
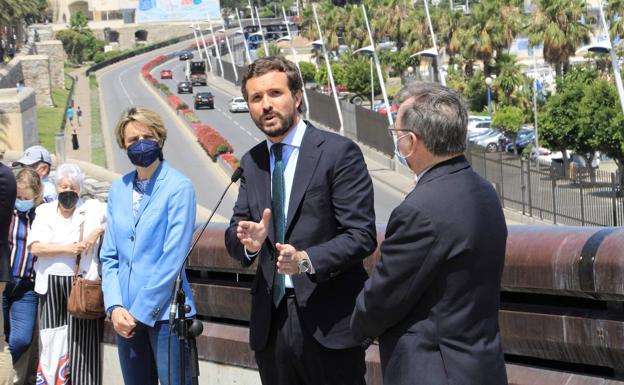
(141, 255)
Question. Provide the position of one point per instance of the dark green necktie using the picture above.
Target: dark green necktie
(279, 217)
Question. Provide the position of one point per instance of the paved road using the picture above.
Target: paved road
(122, 87)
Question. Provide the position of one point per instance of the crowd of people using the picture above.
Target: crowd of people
(304, 214)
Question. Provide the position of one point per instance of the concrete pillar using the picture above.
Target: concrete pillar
(54, 50)
(18, 121)
(35, 69)
(45, 32)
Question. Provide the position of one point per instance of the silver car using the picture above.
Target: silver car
(238, 104)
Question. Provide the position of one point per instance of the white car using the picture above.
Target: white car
(490, 143)
(238, 104)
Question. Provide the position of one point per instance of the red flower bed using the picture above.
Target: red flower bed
(174, 101)
(212, 142)
(231, 160)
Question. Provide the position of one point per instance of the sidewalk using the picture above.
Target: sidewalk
(82, 98)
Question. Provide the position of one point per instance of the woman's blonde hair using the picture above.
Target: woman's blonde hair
(144, 116)
(27, 178)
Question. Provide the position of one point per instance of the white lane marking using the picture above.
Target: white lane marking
(124, 87)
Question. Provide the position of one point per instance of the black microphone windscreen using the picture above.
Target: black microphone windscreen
(237, 174)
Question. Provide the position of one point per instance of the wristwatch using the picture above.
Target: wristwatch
(304, 263)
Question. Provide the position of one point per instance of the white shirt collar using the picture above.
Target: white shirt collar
(294, 137)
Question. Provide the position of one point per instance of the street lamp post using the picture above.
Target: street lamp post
(194, 28)
(205, 48)
(329, 70)
(242, 32)
(435, 46)
(296, 57)
(378, 65)
(251, 11)
(369, 51)
(227, 44)
(264, 43)
(216, 44)
(488, 84)
(614, 60)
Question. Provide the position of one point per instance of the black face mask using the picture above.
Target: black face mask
(68, 199)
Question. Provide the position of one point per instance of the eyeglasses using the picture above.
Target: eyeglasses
(391, 129)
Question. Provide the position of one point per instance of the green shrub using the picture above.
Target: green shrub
(182, 106)
(222, 149)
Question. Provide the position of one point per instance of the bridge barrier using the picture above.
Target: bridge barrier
(561, 317)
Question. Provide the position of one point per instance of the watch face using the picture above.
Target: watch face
(304, 266)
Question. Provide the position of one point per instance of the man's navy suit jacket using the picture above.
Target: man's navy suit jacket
(330, 216)
(433, 298)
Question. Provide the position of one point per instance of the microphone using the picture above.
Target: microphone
(236, 175)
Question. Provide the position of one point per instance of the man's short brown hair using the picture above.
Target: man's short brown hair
(268, 64)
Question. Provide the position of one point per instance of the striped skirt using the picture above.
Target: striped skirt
(84, 335)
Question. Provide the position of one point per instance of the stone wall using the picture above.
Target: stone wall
(11, 73)
(18, 119)
(35, 69)
(54, 50)
(155, 33)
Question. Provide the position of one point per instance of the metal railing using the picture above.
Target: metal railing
(576, 196)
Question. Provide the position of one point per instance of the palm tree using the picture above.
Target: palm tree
(556, 24)
(510, 76)
(13, 16)
(488, 34)
(614, 12)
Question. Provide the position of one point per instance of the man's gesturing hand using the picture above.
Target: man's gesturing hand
(252, 234)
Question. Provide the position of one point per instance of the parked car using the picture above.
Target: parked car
(524, 135)
(476, 136)
(185, 55)
(523, 140)
(204, 99)
(479, 125)
(166, 74)
(238, 104)
(185, 87)
(490, 143)
(479, 128)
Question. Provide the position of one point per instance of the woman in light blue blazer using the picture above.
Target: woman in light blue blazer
(151, 215)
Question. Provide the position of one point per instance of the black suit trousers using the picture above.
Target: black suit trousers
(293, 357)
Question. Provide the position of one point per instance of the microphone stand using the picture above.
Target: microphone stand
(188, 329)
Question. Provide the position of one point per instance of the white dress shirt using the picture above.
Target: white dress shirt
(290, 155)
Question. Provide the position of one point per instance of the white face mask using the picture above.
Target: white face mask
(402, 158)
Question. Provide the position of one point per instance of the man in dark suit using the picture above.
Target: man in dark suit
(8, 192)
(433, 298)
(305, 212)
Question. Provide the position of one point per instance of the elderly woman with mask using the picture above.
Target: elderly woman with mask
(61, 231)
(151, 215)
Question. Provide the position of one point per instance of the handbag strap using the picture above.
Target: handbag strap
(77, 268)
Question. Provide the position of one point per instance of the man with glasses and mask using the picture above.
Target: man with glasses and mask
(38, 158)
(433, 298)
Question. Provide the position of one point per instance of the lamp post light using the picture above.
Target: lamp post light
(614, 60)
(296, 57)
(368, 50)
(251, 12)
(227, 44)
(378, 65)
(329, 70)
(435, 46)
(194, 28)
(488, 86)
(205, 48)
(216, 44)
(264, 43)
(242, 32)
